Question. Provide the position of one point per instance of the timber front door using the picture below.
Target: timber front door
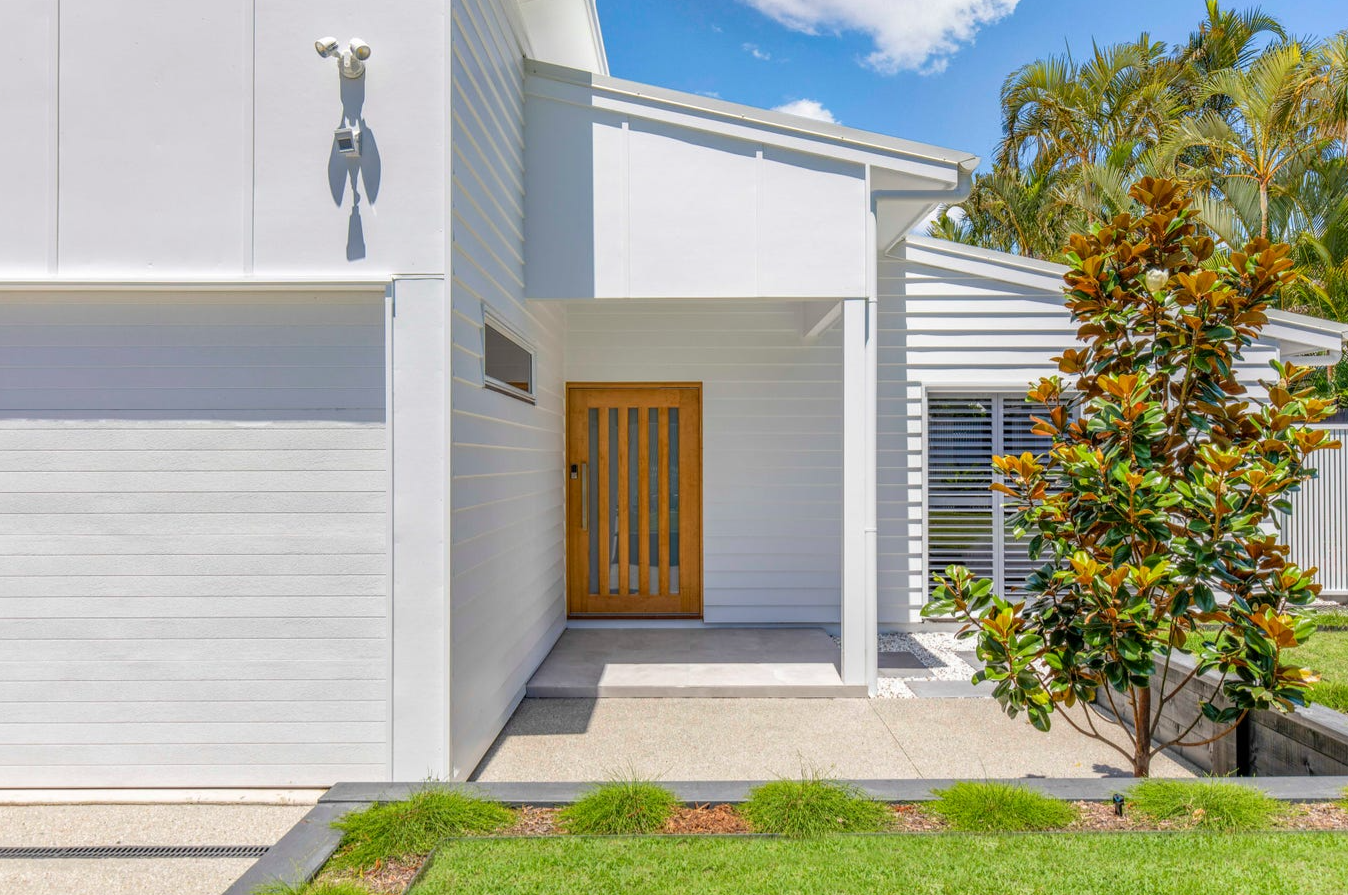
(634, 499)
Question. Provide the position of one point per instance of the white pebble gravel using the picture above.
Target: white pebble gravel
(936, 650)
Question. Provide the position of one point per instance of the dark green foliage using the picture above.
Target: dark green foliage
(813, 806)
(991, 807)
(620, 807)
(414, 826)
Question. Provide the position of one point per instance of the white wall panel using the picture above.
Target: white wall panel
(309, 216)
(624, 203)
(156, 137)
(28, 226)
(192, 540)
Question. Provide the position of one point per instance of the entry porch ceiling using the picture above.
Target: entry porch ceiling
(636, 192)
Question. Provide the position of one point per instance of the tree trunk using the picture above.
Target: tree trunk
(1142, 731)
(1263, 209)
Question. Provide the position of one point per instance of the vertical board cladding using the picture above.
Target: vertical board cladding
(192, 539)
(980, 327)
(772, 442)
(1317, 529)
(507, 566)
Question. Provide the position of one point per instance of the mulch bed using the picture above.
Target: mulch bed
(392, 877)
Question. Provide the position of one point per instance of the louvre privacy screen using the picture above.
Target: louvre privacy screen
(966, 520)
(1317, 530)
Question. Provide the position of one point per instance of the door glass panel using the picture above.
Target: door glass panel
(673, 500)
(653, 492)
(611, 548)
(591, 501)
(633, 533)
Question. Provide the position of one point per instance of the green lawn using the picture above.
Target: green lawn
(1071, 864)
(1327, 653)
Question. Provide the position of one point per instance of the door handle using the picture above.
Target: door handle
(584, 498)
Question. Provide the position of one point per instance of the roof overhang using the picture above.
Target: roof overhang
(934, 166)
(1300, 338)
(565, 32)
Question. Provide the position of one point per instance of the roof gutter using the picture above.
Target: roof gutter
(919, 202)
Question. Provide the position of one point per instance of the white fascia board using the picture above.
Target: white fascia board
(1002, 267)
(778, 129)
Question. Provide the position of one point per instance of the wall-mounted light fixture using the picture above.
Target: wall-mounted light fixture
(352, 61)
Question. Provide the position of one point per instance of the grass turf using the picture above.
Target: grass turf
(993, 807)
(1327, 653)
(413, 826)
(1205, 804)
(949, 864)
(814, 806)
(621, 806)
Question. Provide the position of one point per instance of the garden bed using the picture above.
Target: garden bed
(439, 841)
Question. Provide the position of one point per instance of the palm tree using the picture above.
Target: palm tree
(1013, 211)
(1265, 132)
(1061, 114)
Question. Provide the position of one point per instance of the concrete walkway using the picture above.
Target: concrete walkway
(684, 662)
(756, 739)
(67, 825)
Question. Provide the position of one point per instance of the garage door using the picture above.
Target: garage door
(192, 539)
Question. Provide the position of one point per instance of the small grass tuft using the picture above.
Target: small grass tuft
(619, 807)
(414, 826)
(813, 806)
(991, 807)
(314, 888)
(1206, 804)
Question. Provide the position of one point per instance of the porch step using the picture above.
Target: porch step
(692, 663)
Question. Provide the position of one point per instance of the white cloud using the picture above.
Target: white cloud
(909, 35)
(755, 51)
(807, 108)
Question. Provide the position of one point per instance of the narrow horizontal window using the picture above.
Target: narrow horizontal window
(507, 364)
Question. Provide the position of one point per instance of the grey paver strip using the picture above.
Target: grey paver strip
(299, 854)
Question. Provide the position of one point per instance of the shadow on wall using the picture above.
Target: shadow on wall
(366, 169)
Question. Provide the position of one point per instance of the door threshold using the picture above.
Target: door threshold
(636, 621)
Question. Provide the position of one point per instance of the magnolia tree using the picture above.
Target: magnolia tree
(1152, 512)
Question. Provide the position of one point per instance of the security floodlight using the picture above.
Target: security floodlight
(352, 61)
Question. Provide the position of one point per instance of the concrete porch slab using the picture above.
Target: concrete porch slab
(591, 663)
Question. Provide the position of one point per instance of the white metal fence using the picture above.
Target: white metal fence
(1318, 529)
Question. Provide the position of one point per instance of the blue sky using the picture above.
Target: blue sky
(927, 70)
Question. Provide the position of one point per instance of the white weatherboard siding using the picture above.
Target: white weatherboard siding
(192, 539)
(507, 575)
(964, 322)
(772, 440)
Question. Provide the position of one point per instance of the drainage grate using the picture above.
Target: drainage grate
(134, 851)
